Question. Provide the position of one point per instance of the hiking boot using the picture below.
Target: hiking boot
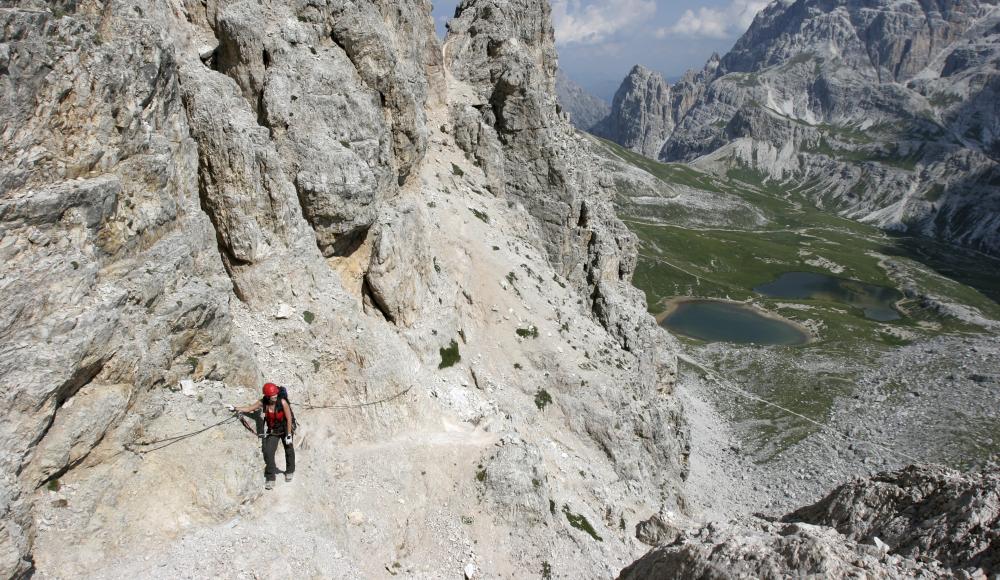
(269, 484)
(288, 476)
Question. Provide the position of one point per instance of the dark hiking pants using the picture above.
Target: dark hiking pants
(270, 446)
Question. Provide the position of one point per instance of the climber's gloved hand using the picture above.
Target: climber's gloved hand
(288, 439)
(232, 409)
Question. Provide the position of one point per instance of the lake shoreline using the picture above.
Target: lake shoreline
(672, 304)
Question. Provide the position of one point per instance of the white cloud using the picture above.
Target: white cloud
(592, 21)
(725, 22)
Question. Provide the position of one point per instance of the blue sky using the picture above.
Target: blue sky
(600, 40)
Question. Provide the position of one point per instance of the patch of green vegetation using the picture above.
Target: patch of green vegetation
(579, 521)
(530, 332)
(54, 485)
(193, 363)
(552, 507)
(481, 474)
(511, 278)
(801, 58)
(672, 173)
(546, 570)
(849, 133)
(943, 100)
(745, 80)
(934, 193)
(456, 170)
(309, 317)
(681, 257)
(449, 355)
(542, 399)
(893, 158)
(481, 215)
(518, 366)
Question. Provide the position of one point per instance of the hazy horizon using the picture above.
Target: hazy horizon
(599, 41)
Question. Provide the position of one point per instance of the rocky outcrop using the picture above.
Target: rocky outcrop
(584, 109)
(922, 521)
(341, 97)
(919, 513)
(646, 109)
(642, 115)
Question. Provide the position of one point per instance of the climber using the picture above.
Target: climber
(279, 426)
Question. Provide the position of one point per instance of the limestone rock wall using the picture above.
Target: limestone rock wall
(197, 196)
(111, 277)
(544, 167)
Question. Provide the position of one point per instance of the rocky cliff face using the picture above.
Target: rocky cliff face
(642, 114)
(922, 521)
(584, 109)
(199, 196)
(885, 110)
(646, 109)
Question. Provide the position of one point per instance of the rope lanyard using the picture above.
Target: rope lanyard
(168, 441)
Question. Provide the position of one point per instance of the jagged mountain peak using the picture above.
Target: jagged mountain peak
(877, 100)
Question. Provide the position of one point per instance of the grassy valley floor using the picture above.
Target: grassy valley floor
(862, 395)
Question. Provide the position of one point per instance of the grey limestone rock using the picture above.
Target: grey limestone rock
(505, 51)
(100, 207)
(919, 512)
(790, 550)
(646, 109)
(921, 521)
(642, 115)
(402, 266)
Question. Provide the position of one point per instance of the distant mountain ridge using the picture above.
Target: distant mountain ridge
(585, 110)
(884, 110)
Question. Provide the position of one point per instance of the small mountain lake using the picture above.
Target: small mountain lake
(718, 321)
(877, 302)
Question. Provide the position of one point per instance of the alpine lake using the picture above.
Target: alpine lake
(765, 285)
(722, 321)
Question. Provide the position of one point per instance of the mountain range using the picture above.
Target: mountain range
(885, 111)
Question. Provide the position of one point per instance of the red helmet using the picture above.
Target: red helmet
(270, 389)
